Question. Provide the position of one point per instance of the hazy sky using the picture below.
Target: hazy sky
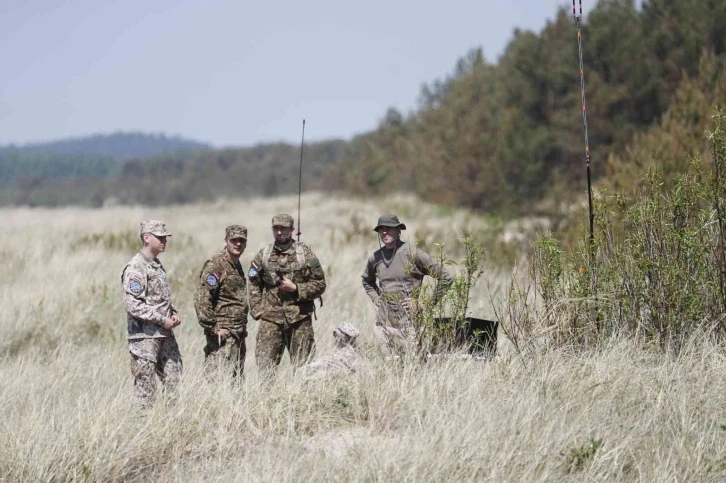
(235, 72)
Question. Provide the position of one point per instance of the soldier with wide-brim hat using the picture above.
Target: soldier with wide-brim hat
(392, 275)
(390, 221)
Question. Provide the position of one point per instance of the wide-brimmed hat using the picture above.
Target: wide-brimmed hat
(389, 221)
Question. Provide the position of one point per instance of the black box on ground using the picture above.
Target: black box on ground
(479, 336)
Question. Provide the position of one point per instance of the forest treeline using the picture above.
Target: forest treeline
(498, 135)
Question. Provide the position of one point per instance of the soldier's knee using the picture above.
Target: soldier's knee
(142, 368)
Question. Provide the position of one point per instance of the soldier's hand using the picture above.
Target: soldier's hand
(223, 333)
(287, 285)
(170, 323)
(409, 304)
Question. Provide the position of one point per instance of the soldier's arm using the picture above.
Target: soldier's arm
(315, 285)
(205, 295)
(369, 280)
(134, 296)
(256, 286)
(431, 267)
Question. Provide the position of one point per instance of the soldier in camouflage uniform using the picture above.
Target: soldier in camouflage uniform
(345, 359)
(285, 279)
(150, 317)
(391, 276)
(221, 303)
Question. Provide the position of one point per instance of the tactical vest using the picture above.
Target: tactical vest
(299, 255)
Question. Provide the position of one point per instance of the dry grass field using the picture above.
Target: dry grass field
(622, 413)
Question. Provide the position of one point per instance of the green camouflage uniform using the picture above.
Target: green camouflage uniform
(220, 301)
(147, 299)
(391, 276)
(285, 317)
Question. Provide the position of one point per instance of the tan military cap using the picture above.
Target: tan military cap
(155, 227)
(348, 330)
(235, 231)
(283, 220)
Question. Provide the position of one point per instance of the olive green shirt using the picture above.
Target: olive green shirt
(392, 275)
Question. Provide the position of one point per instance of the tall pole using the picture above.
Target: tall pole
(578, 20)
(591, 247)
(299, 185)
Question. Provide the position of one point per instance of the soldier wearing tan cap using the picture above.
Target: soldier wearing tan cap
(150, 316)
(285, 279)
(344, 360)
(221, 303)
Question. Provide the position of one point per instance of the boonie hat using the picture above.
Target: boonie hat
(390, 221)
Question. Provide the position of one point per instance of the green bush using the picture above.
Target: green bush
(658, 272)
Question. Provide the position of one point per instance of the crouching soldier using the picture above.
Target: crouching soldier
(344, 360)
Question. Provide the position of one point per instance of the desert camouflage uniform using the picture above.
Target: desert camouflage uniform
(391, 276)
(154, 350)
(221, 303)
(343, 361)
(285, 317)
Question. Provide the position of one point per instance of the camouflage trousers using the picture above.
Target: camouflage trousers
(229, 355)
(150, 358)
(272, 339)
(395, 341)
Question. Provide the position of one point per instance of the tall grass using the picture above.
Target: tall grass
(620, 413)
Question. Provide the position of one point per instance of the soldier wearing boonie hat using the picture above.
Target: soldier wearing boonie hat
(285, 279)
(220, 301)
(391, 276)
(150, 316)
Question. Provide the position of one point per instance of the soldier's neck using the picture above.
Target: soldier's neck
(283, 246)
(146, 250)
(233, 258)
(392, 245)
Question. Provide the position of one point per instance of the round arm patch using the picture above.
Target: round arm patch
(135, 287)
(212, 280)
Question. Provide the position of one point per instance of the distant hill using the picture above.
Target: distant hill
(119, 146)
(93, 156)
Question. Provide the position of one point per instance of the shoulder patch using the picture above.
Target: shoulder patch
(212, 280)
(135, 286)
(253, 272)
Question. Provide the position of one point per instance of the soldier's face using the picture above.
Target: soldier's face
(157, 244)
(282, 234)
(389, 235)
(236, 246)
